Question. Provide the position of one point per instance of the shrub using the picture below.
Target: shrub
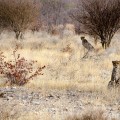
(19, 15)
(100, 18)
(18, 71)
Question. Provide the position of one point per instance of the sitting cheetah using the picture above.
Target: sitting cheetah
(115, 77)
(86, 44)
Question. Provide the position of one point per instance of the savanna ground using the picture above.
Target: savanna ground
(70, 85)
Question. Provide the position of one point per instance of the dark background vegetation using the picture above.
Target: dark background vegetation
(98, 18)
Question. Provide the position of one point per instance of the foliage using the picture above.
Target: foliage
(100, 18)
(18, 15)
(18, 71)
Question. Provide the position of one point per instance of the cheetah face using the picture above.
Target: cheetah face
(82, 38)
(116, 63)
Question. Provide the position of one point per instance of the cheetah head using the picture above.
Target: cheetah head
(82, 38)
(116, 63)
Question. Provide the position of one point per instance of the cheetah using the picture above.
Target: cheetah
(115, 77)
(88, 46)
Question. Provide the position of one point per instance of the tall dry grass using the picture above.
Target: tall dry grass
(65, 68)
(91, 115)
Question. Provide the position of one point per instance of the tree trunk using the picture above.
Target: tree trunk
(115, 77)
(106, 44)
(61, 32)
(19, 35)
(105, 41)
(95, 40)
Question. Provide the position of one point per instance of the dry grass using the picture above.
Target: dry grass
(9, 113)
(92, 115)
(65, 69)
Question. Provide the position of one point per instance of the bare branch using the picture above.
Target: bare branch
(99, 17)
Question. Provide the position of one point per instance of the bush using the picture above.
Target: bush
(18, 15)
(18, 71)
(100, 18)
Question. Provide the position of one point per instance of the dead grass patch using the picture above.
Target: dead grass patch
(91, 115)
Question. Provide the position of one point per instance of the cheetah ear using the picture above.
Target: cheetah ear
(114, 63)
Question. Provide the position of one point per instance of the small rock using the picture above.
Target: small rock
(36, 102)
(50, 96)
(2, 95)
(65, 109)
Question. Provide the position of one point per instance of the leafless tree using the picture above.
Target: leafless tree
(18, 15)
(100, 18)
(3, 19)
(53, 13)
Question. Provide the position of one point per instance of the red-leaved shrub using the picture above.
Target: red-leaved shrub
(18, 71)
